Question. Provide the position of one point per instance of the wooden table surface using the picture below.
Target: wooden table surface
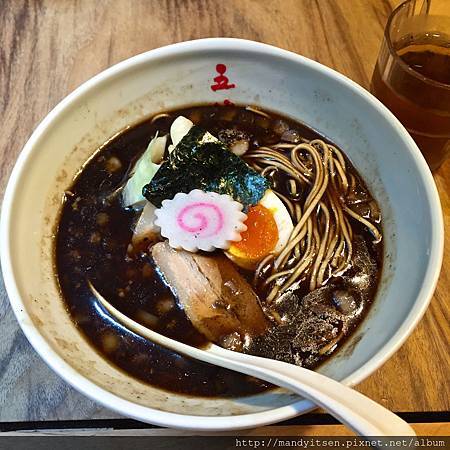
(49, 47)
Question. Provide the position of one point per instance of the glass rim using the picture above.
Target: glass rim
(399, 60)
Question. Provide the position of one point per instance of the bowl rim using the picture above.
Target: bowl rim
(212, 423)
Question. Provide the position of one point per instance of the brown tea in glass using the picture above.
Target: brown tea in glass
(412, 76)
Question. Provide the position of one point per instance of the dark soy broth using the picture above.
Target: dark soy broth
(93, 241)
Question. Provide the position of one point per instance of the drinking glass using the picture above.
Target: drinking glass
(412, 74)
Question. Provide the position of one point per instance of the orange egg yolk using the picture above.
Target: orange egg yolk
(261, 235)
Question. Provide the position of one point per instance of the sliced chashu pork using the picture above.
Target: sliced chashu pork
(215, 297)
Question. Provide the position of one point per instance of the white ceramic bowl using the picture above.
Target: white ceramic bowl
(180, 75)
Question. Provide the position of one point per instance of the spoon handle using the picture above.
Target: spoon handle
(364, 416)
(358, 412)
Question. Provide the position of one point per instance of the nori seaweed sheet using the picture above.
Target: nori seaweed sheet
(210, 166)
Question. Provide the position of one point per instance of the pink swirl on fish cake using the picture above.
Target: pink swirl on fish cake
(202, 219)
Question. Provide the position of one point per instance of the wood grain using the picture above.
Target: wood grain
(50, 47)
(421, 429)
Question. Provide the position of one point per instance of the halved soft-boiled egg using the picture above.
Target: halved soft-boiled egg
(269, 226)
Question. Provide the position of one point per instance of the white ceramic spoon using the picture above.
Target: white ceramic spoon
(358, 412)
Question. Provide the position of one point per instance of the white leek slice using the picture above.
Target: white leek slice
(158, 149)
(142, 172)
(180, 128)
(146, 231)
